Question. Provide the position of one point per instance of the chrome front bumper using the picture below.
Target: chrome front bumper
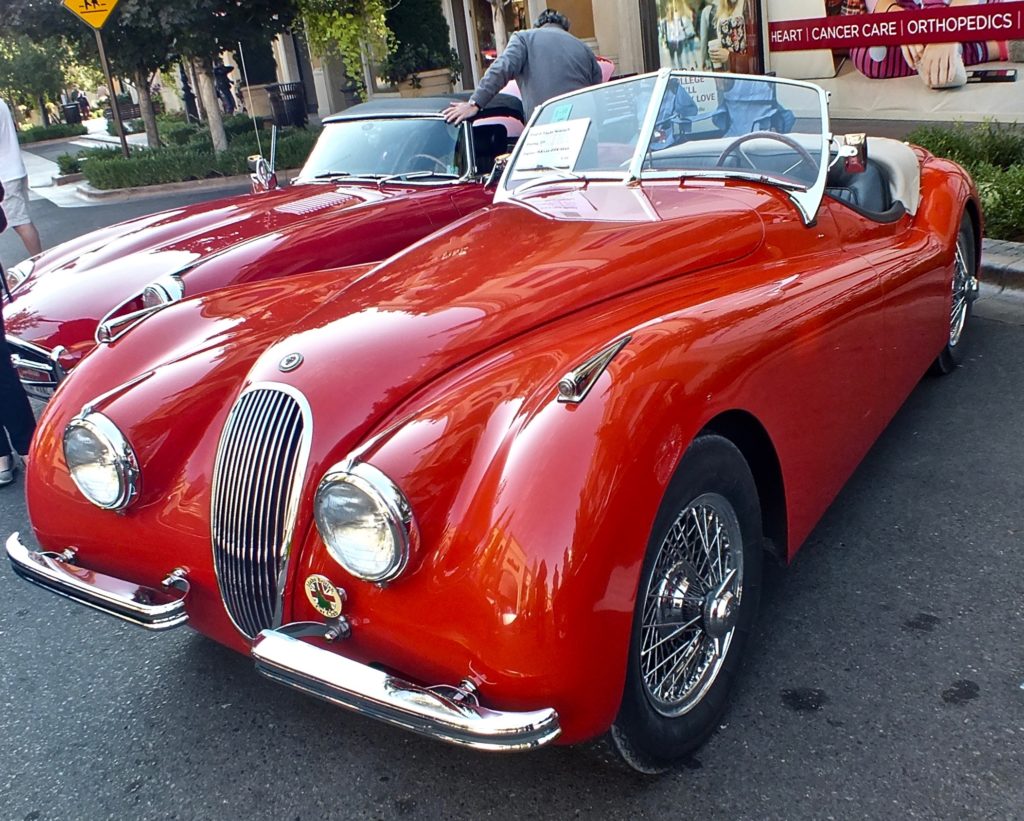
(449, 714)
(441, 713)
(35, 359)
(145, 606)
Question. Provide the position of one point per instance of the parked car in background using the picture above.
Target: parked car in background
(383, 175)
(515, 484)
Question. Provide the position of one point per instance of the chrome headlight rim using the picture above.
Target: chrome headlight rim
(166, 290)
(390, 500)
(17, 274)
(125, 463)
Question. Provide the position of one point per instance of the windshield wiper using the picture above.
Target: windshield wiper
(563, 172)
(556, 175)
(330, 175)
(415, 175)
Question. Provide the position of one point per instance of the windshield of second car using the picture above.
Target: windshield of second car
(704, 124)
(426, 149)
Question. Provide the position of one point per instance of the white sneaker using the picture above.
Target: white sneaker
(7, 473)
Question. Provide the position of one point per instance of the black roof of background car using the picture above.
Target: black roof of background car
(503, 105)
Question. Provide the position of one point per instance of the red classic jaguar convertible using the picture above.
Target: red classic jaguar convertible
(516, 484)
(382, 175)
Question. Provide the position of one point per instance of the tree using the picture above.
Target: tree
(31, 73)
(207, 27)
(352, 29)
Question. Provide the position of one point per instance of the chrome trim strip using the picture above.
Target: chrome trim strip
(122, 599)
(374, 693)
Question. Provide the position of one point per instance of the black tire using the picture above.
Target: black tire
(965, 291)
(659, 724)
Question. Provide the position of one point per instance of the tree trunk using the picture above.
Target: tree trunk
(500, 32)
(204, 77)
(43, 112)
(146, 111)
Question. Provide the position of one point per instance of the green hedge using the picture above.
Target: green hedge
(37, 133)
(993, 154)
(192, 162)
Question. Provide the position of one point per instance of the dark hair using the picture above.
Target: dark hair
(551, 16)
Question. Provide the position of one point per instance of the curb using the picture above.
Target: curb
(214, 184)
(1002, 268)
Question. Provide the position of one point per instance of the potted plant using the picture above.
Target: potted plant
(421, 60)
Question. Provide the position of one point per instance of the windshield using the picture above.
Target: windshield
(676, 124)
(425, 149)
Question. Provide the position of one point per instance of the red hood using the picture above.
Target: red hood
(452, 297)
(74, 285)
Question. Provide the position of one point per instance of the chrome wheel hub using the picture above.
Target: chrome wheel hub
(691, 605)
(721, 610)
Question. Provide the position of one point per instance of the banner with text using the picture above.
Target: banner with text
(991, 21)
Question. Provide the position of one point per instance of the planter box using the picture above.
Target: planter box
(257, 101)
(435, 82)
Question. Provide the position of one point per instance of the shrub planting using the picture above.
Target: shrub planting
(993, 154)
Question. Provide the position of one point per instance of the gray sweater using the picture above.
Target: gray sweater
(545, 62)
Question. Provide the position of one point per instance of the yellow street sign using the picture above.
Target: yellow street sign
(93, 12)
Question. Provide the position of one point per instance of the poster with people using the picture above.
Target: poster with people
(906, 59)
(710, 35)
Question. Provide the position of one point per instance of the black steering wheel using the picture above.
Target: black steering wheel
(802, 152)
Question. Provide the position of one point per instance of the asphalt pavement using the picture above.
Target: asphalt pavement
(886, 678)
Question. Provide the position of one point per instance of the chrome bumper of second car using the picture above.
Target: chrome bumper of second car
(443, 713)
(36, 359)
(145, 606)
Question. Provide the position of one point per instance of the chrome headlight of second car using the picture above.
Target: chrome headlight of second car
(163, 291)
(365, 521)
(101, 461)
(19, 273)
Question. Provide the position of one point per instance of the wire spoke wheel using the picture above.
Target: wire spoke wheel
(964, 287)
(691, 605)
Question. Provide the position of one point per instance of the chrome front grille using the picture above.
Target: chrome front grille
(260, 464)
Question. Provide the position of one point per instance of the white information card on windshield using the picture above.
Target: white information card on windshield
(552, 146)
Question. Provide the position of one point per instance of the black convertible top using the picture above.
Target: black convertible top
(503, 105)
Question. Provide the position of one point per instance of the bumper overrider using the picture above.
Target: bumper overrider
(447, 713)
(38, 368)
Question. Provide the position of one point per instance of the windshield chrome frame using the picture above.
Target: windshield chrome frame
(806, 198)
(467, 155)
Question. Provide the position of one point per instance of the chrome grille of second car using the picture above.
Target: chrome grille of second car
(259, 467)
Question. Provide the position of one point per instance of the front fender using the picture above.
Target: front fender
(534, 518)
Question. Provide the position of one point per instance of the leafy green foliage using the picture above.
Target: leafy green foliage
(993, 154)
(37, 133)
(192, 161)
(347, 28)
(420, 41)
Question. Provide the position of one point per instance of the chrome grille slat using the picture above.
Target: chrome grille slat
(269, 512)
(244, 459)
(260, 461)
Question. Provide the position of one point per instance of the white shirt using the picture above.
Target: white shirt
(12, 167)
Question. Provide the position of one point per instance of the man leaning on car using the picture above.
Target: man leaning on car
(546, 61)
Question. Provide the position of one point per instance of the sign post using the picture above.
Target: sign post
(95, 13)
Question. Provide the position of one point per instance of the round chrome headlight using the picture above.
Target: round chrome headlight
(19, 273)
(163, 291)
(101, 461)
(365, 521)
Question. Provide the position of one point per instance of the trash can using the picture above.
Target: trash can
(287, 103)
(72, 113)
